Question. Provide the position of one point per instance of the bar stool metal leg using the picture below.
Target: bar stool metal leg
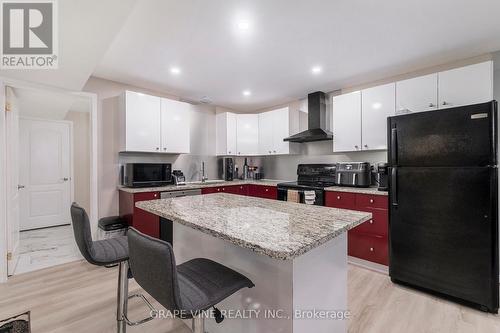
(122, 298)
(198, 325)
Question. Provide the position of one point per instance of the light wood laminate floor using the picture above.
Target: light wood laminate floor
(78, 297)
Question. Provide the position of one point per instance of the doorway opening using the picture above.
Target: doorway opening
(49, 163)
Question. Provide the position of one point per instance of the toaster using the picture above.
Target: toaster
(355, 174)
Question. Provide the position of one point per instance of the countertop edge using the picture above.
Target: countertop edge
(278, 255)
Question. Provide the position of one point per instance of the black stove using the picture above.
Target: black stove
(310, 178)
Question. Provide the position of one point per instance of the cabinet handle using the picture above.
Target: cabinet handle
(218, 190)
(229, 152)
(371, 222)
(431, 105)
(356, 147)
(165, 149)
(366, 146)
(371, 201)
(372, 249)
(223, 189)
(267, 190)
(338, 197)
(239, 153)
(445, 103)
(157, 148)
(269, 152)
(155, 195)
(241, 187)
(274, 151)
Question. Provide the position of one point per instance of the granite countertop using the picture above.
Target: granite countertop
(198, 185)
(279, 229)
(362, 190)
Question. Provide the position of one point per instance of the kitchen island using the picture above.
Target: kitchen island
(295, 254)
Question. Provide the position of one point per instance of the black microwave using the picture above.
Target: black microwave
(146, 174)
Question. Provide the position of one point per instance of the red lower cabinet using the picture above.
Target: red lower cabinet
(237, 189)
(261, 191)
(367, 241)
(141, 220)
(368, 247)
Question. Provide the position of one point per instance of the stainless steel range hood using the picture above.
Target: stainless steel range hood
(317, 121)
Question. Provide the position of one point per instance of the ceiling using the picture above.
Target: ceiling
(354, 41)
(86, 29)
(49, 104)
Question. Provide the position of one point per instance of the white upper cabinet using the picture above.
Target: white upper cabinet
(466, 85)
(225, 133)
(142, 127)
(175, 126)
(247, 130)
(153, 124)
(347, 122)
(378, 103)
(266, 128)
(281, 125)
(417, 94)
(274, 126)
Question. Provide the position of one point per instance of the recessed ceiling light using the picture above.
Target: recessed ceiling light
(243, 25)
(175, 70)
(247, 93)
(316, 70)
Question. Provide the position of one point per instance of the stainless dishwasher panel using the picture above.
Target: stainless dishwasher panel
(166, 226)
(177, 193)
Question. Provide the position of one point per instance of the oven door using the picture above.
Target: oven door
(319, 198)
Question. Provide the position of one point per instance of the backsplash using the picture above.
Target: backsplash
(284, 167)
(189, 164)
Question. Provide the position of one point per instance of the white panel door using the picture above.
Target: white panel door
(247, 131)
(175, 126)
(143, 122)
(45, 173)
(266, 127)
(281, 124)
(378, 103)
(232, 134)
(466, 85)
(417, 94)
(347, 122)
(13, 227)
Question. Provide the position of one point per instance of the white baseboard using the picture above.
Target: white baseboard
(368, 265)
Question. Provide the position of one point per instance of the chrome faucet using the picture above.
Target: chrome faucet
(203, 176)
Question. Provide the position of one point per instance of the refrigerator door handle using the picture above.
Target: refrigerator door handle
(394, 187)
(394, 148)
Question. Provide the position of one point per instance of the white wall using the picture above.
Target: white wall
(109, 159)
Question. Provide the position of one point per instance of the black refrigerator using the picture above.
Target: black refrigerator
(443, 203)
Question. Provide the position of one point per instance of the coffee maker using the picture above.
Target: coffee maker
(226, 168)
(382, 177)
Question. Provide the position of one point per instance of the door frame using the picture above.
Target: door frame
(71, 153)
(93, 213)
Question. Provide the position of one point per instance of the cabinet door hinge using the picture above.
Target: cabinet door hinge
(9, 255)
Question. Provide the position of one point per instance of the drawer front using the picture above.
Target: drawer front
(377, 226)
(260, 191)
(208, 190)
(368, 247)
(234, 189)
(340, 200)
(146, 196)
(372, 201)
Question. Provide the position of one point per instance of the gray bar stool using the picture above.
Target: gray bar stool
(189, 288)
(106, 252)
